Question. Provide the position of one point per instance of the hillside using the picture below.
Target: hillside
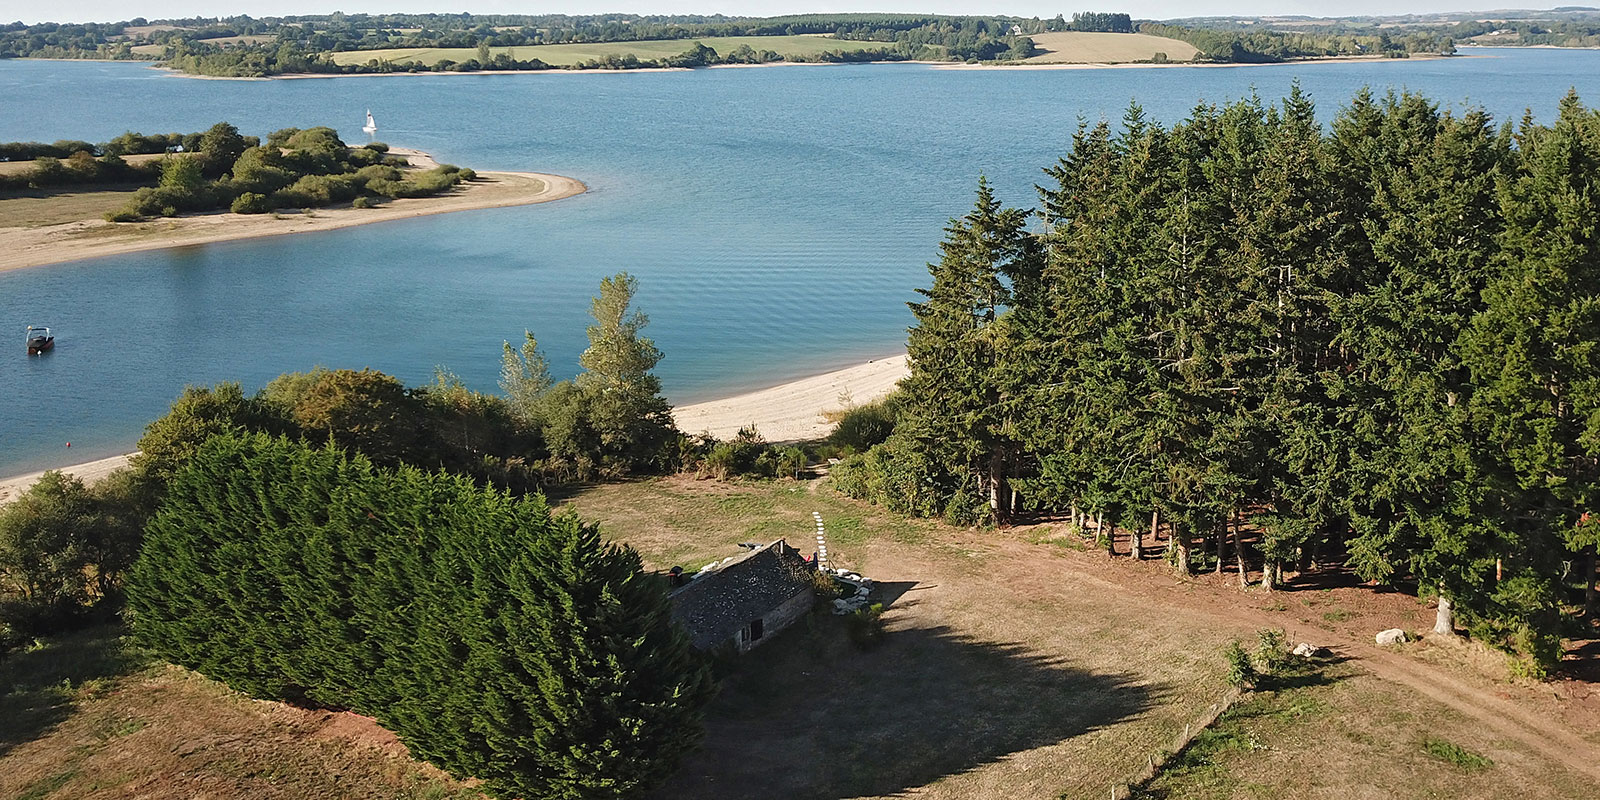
(1072, 47)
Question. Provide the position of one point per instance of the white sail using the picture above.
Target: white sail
(372, 124)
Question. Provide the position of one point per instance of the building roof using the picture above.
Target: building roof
(720, 602)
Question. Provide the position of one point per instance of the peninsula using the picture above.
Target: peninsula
(51, 224)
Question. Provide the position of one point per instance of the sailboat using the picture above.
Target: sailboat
(372, 125)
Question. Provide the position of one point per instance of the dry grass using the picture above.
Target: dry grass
(567, 54)
(89, 718)
(19, 167)
(1074, 47)
(996, 678)
(1347, 734)
(33, 209)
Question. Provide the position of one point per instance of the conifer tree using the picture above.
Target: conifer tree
(497, 640)
(953, 401)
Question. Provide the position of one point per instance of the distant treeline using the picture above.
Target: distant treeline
(1105, 23)
(50, 40)
(305, 44)
(1560, 27)
(1257, 46)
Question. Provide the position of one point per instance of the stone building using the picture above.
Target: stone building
(746, 599)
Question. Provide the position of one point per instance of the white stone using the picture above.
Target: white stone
(1307, 650)
(1391, 636)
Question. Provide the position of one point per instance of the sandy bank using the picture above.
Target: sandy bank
(53, 244)
(789, 412)
(1189, 65)
(88, 473)
(793, 411)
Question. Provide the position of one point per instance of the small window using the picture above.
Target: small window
(755, 631)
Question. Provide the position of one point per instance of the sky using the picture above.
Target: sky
(32, 11)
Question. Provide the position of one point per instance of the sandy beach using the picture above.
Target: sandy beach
(71, 241)
(794, 411)
(790, 412)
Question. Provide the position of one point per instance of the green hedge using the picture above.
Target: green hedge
(497, 640)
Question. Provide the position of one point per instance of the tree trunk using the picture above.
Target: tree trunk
(1110, 536)
(1444, 623)
(999, 504)
(1238, 553)
(1307, 550)
(1588, 586)
(1182, 538)
(1136, 538)
(1076, 522)
(1222, 541)
(1269, 576)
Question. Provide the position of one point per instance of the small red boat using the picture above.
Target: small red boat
(40, 340)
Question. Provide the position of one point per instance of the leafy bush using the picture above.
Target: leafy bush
(865, 626)
(498, 640)
(1241, 669)
(467, 174)
(363, 202)
(863, 427)
(63, 551)
(251, 203)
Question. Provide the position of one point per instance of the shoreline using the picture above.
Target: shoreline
(21, 248)
(940, 65)
(1026, 66)
(791, 411)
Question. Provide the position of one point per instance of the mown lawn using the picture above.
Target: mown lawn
(561, 55)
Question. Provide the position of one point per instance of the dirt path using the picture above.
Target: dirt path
(1531, 720)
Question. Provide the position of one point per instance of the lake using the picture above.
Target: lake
(778, 218)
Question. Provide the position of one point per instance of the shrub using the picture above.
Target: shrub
(377, 172)
(1241, 670)
(63, 550)
(467, 174)
(498, 640)
(123, 215)
(251, 203)
(865, 626)
(862, 427)
(363, 202)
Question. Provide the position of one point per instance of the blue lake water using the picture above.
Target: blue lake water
(778, 219)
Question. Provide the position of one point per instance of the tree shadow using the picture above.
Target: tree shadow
(810, 716)
(40, 686)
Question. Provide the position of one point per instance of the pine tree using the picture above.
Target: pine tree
(954, 404)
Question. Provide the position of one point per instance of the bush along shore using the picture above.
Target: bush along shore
(296, 168)
(221, 169)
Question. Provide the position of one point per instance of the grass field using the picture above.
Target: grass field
(1016, 664)
(1073, 47)
(32, 209)
(561, 55)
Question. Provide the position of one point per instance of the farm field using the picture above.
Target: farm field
(1018, 663)
(1074, 47)
(561, 55)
